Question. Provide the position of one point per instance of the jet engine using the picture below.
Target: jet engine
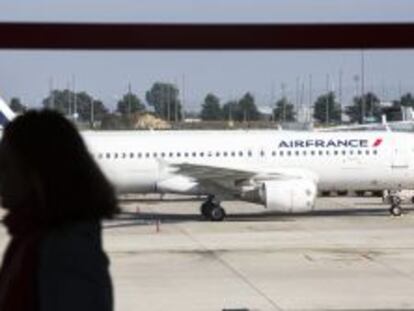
(290, 196)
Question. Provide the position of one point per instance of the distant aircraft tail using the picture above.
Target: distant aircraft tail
(6, 114)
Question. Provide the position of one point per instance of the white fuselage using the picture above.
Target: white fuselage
(138, 161)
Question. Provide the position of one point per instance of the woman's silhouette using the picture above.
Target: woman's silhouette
(55, 196)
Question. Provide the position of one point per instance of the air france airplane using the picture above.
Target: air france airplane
(282, 170)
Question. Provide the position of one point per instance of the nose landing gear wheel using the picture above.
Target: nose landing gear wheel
(396, 210)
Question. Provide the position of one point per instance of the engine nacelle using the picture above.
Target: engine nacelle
(290, 196)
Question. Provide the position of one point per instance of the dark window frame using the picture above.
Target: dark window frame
(199, 36)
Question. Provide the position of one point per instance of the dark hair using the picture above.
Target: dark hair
(74, 188)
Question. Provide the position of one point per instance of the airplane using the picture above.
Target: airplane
(282, 170)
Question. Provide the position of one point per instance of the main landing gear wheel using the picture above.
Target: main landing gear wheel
(396, 210)
(212, 210)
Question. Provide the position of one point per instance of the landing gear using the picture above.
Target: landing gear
(212, 210)
(217, 213)
(395, 200)
(396, 210)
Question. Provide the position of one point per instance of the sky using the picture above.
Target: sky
(106, 74)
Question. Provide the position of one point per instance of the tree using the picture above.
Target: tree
(284, 111)
(247, 110)
(69, 103)
(327, 109)
(85, 109)
(369, 103)
(164, 97)
(407, 100)
(129, 104)
(60, 100)
(211, 109)
(230, 110)
(17, 106)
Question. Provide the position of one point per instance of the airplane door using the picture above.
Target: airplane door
(400, 156)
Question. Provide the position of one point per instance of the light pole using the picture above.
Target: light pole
(92, 113)
(362, 86)
(327, 98)
(283, 86)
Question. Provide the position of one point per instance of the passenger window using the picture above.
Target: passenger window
(116, 155)
(289, 153)
(273, 153)
(178, 154)
(201, 154)
(327, 152)
(375, 152)
(297, 153)
(147, 155)
(139, 154)
(225, 154)
(217, 154)
(367, 152)
(194, 154)
(186, 154)
(262, 153)
(155, 154)
(281, 153)
(108, 155)
(304, 152)
(162, 154)
(131, 155)
(233, 154)
(171, 155)
(249, 153)
(209, 154)
(359, 152)
(313, 152)
(351, 152)
(343, 152)
(99, 155)
(123, 155)
(320, 152)
(240, 153)
(336, 152)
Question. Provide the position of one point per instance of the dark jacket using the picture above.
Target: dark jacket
(73, 270)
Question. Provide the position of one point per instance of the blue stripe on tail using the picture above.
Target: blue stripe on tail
(3, 119)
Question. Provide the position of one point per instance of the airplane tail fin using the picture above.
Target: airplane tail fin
(6, 114)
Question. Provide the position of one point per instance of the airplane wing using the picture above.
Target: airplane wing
(227, 180)
(208, 172)
(212, 172)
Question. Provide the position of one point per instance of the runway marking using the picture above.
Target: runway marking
(389, 267)
(307, 257)
(227, 265)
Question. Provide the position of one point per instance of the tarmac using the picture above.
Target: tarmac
(349, 254)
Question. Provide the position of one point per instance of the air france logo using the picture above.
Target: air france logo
(377, 142)
(335, 143)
